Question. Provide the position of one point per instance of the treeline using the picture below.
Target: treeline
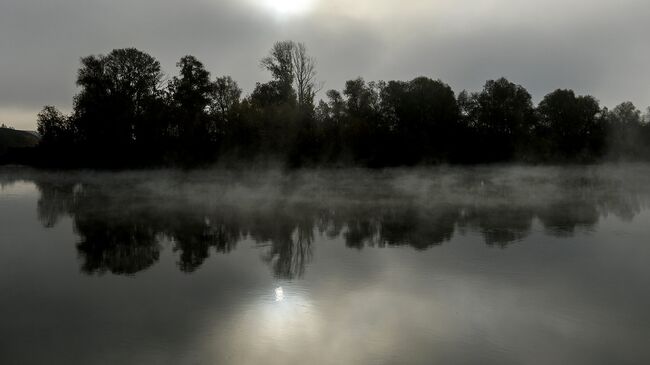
(129, 114)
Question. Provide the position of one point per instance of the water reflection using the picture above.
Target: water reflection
(279, 294)
(123, 220)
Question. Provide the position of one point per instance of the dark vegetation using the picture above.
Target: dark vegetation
(14, 142)
(127, 115)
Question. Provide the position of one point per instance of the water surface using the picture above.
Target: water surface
(490, 265)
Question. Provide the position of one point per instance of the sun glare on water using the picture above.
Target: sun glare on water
(279, 294)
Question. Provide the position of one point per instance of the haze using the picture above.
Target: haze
(598, 48)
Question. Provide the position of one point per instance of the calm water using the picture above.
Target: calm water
(498, 265)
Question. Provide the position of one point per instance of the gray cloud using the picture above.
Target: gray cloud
(597, 48)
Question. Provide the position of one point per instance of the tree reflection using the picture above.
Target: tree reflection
(562, 219)
(500, 225)
(123, 227)
(194, 238)
(287, 233)
(120, 247)
(55, 199)
(120, 241)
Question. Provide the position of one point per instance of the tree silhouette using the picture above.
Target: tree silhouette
(572, 125)
(280, 63)
(56, 131)
(422, 119)
(500, 119)
(304, 70)
(125, 115)
(191, 94)
(626, 132)
(117, 92)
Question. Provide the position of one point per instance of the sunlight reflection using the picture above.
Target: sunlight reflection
(279, 294)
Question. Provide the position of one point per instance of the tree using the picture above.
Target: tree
(423, 115)
(294, 73)
(364, 123)
(572, 125)
(125, 115)
(645, 133)
(625, 114)
(53, 127)
(225, 108)
(192, 95)
(330, 115)
(192, 90)
(283, 108)
(304, 70)
(501, 118)
(362, 100)
(134, 75)
(625, 132)
(280, 63)
(117, 91)
(58, 137)
(227, 95)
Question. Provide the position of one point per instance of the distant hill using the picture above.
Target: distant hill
(11, 138)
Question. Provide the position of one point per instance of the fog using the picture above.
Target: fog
(499, 263)
(598, 48)
(204, 211)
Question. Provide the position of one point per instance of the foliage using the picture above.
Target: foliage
(572, 125)
(125, 115)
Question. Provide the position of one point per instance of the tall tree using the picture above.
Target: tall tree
(304, 70)
(225, 108)
(330, 115)
(625, 132)
(294, 73)
(423, 116)
(501, 118)
(572, 125)
(280, 63)
(227, 95)
(117, 91)
(364, 125)
(192, 94)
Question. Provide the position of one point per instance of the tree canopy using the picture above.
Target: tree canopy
(128, 113)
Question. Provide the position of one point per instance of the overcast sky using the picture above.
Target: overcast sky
(592, 46)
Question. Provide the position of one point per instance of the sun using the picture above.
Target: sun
(289, 7)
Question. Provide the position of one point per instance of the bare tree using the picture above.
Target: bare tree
(304, 70)
(292, 67)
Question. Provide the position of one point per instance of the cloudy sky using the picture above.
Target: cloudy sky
(593, 46)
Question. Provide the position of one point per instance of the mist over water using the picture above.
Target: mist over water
(492, 264)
